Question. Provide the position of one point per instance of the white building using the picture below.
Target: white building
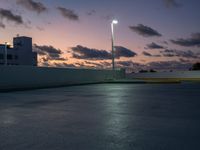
(20, 54)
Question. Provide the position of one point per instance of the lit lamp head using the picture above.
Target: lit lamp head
(115, 21)
(8, 45)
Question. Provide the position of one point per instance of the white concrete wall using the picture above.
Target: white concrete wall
(22, 77)
(169, 75)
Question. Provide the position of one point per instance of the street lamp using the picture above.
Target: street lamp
(5, 54)
(113, 45)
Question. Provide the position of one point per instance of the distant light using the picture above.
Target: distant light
(8, 45)
(115, 21)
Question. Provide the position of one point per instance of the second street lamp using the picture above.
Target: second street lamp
(113, 45)
(5, 54)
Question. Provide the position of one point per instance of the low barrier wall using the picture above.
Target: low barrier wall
(179, 75)
(22, 77)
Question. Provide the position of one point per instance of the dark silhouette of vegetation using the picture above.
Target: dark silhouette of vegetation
(145, 71)
(151, 70)
(196, 66)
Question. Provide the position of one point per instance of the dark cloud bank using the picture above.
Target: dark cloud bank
(68, 13)
(179, 53)
(194, 40)
(174, 53)
(123, 52)
(149, 54)
(154, 46)
(81, 52)
(50, 52)
(145, 30)
(159, 66)
(169, 65)
(146, 54)
(91, 55)
(10, 16)
(32, 5)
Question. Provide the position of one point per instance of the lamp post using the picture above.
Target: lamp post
(5, 54)
(113, 45)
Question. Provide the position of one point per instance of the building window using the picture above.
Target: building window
(1, 56)
(18, 44)
(16, 57)
(9, 56)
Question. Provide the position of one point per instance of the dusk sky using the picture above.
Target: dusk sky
(156, 34)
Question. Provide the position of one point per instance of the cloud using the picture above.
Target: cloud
(146, 54)
(32, 5)
(80, 65)
(149, 54)
(184, 60)
(108, 17)
(169, 65)
(127, 64)
(81, 52)
(154, 46)
(171, 3)
(123, 52)
(165, 42)
(194, 40)
(63, 65)
(7, 14)
(50, 52)
(178, 53)
(145, 30)
(47, 63)
(91, 12)
(130, 66)
(40, 28)
(159, 65)
(2, 25)
(96, 64)
(68, 13)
